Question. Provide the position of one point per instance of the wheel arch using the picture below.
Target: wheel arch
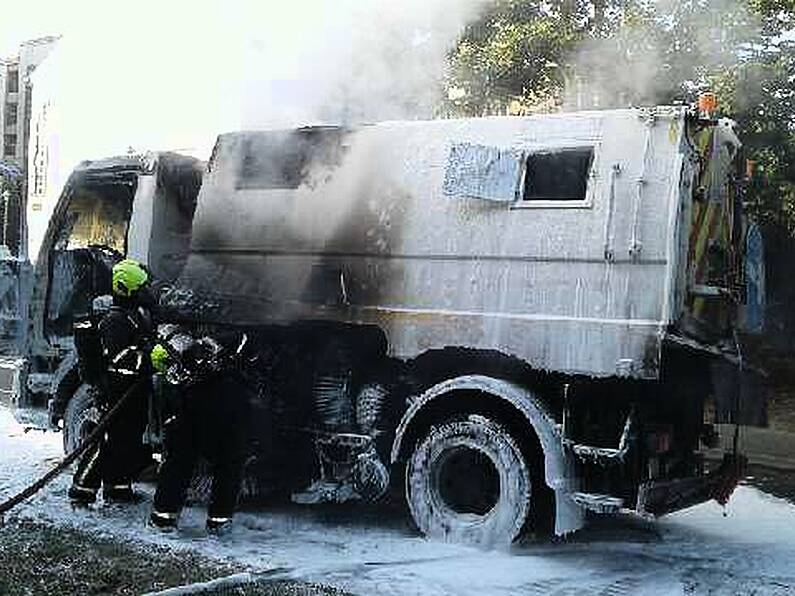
(559, 468)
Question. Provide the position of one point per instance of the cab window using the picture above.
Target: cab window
(96, 218)
(91, 238)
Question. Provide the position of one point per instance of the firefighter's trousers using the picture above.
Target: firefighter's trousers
(116, 460)
(213, 424)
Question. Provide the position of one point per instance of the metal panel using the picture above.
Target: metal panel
(482, 172)
(383, 243)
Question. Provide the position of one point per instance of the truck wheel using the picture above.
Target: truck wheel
(80, 418)
(468, 481)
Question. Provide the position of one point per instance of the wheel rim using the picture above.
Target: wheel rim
(466, 481)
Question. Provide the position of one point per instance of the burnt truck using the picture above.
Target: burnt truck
(507, 322)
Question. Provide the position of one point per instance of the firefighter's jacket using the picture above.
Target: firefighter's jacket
(126, 336)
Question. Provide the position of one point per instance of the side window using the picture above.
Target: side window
(284, 160)
(96, 218)
(557, 175)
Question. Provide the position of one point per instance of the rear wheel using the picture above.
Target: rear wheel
(468, 481)
(80, 418)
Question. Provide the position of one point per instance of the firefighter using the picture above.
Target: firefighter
(211, 422)
(120, 358)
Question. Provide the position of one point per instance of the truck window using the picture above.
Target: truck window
(96, 219)
(557, 175)
(92, 236)
(283, 159)
(482, 172)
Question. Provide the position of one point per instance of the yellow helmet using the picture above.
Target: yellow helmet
(129, 276)
(160, 358)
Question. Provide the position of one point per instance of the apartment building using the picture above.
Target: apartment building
(14, 76)
(15, 113)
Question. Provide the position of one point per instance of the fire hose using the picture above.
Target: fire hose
(85, 444)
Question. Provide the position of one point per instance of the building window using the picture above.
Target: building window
(12, 83)
(557, 175)
(11, 114)
(10, 148)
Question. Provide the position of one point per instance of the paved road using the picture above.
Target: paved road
(373, 551)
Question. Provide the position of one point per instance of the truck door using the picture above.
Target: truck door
(91, 239)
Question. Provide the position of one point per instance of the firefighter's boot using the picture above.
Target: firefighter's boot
(219, 526)
(164, 521)
(119, 493)
(82, 496)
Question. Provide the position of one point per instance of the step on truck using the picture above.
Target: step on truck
(509, 322)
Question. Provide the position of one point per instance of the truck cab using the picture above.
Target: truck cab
(141, 206)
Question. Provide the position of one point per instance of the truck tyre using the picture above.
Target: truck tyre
(80, 418)
(468, 481)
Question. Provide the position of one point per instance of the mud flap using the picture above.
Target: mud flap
(659, 497)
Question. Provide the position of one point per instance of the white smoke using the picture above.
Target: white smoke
(171, 75)
(665, 53)
(354, 61)
(153, 75)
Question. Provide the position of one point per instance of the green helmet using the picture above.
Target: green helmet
(160, 358)
(128, 277)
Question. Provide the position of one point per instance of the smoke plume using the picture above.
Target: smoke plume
(173, 75)
(660, 52)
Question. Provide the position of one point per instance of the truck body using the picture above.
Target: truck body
(511, 321)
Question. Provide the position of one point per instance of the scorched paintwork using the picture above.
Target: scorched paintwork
(374, 237)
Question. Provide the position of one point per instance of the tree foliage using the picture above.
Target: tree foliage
(524, 56)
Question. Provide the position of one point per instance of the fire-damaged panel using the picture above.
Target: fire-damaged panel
(380, 242)
(481, 172)
(282, 160)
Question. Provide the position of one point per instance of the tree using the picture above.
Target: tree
(577, 54)
(598, 53)
(514, 52)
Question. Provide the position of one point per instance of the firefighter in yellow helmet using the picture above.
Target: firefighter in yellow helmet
(113, 355)
(206, 373)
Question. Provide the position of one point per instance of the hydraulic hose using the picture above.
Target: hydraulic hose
(92, 438)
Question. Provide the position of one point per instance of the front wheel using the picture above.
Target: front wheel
(80, 418)
(468, 481)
